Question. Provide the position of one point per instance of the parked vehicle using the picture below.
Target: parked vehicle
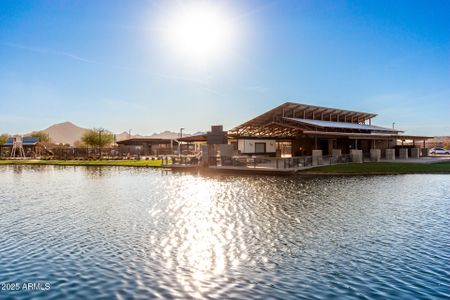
(438, 150)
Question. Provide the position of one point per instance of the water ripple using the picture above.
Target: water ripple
(124, 233)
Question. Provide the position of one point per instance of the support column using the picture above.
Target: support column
(205, 155)
(375, 155)
(226, 153)
(424, 152)
(414, 153)
(330, 146)
(390, 154)
(403, 153)
(317, 157)
(356, 156)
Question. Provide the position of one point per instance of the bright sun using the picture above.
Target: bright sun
(198, 32)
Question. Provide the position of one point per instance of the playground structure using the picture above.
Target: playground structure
(17, 147)
(21, 147)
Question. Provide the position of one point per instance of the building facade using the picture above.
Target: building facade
(144, 146)
(295, 129)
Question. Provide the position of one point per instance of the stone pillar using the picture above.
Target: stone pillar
(414, 153)
(357, 156)
(403, 153)
(330, 147)
(317, 157)
(390, 154)
(226, 152)
(205, 155)
(424, 151)
(375, 155)
(337, 153)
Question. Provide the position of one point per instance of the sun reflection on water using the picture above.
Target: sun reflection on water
(199, 246)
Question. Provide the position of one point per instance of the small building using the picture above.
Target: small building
(193, 143)
(147, 146)
(295, 129)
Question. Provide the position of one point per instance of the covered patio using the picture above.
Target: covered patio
(299, 129)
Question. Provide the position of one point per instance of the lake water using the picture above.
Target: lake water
(127, 233)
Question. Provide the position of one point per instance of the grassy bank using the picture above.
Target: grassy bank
(125, 163)
(383, 168)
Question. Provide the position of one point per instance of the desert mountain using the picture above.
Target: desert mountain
(168, 135)
(125, 135)
(66, 133)
(69, 133)
(163, 135)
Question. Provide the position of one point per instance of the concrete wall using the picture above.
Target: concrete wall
(317, 157)
(336, 153)
(403, 153)
(390, 154)
(216, 136)
(226, 150)
(205, 155)
(414, 152)
(246, 146)
(375, 155)
(356, 156)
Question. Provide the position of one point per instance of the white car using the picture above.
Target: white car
(438, 150)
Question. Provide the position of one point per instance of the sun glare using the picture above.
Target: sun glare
(198, 33)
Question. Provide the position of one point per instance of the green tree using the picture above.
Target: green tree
(3, 138)
(98, 137)
(42, 136)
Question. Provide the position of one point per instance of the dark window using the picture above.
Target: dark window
(260, 147)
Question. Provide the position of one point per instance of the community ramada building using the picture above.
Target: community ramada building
(292, 129)
(297, 129)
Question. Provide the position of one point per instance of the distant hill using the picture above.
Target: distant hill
(168, 135)
(162, 135)
(69, 133)
(125, 135)
(66, 133)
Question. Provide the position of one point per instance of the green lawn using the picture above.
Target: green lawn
(384, 168)
(126, 163)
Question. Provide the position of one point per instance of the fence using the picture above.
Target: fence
(277, 163)
(105, 153)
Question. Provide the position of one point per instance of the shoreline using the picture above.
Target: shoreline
(352, 169)
(379, 168)
(97, 163)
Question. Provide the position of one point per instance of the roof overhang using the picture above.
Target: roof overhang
(351, 135)
(299, 110)
(194, 138)
(134, 141)
(342, 125)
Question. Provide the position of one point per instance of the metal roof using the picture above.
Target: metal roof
(353, 135)
(259, 125)
(200, 137)
(142, 140)
(341, 125)
(27, 140)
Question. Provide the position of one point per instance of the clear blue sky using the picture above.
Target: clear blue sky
(105, 63)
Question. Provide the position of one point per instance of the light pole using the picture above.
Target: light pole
(100, 142)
